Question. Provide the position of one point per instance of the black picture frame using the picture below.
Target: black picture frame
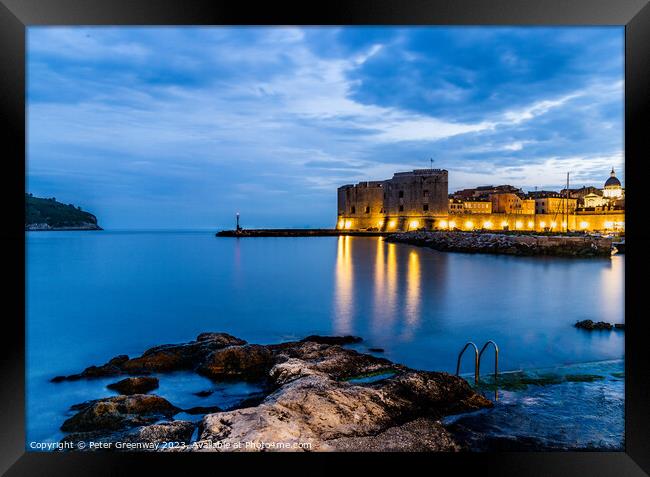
(17, 15)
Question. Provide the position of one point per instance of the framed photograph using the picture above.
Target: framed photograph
(356, 234)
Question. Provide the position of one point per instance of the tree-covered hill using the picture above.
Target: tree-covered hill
(48, 214)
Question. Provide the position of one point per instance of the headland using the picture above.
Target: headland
(43, 214)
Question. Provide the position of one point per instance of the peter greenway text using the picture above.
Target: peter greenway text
(154, 446)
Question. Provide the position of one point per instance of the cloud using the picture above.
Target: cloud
(195, 117)
(536, 109)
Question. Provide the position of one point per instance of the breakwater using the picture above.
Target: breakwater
(475, 242)
(297, 233)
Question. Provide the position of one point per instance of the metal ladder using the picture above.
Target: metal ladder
(477, 359)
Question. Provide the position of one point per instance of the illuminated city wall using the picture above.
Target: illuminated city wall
(535, 222)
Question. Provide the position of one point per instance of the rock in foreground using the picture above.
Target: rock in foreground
(314, 399)
(164, 358)
(140, 385)
(119, 412)
(314, 409)
(419, 435)
(151, 437)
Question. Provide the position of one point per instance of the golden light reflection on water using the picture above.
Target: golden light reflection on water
(384, 285)
(387, 284)
(390, 292)
(612, 290)
(413, 294)
(343, 298)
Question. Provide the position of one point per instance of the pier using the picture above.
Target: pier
(298, 233)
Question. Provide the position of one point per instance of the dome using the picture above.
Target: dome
(612, 181)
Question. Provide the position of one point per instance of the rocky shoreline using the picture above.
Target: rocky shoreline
(590, 325)
(526, 245)
(47, 227)
(315, 400)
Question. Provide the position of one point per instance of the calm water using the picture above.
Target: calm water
(93, 295)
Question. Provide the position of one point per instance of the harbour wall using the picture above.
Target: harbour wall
(495, 243)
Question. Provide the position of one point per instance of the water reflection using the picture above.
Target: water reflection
(379, 292)
(390, 300)
(413, 298)
(421, 306)
(394, 279)
(612, 286)
(343, 301)
(385, 287)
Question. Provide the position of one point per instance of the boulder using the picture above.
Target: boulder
(119, 412)
(333, 340)
(419, 435)
(164, 358)
(305, 358)
(182, 356)
(162, 432)
(585, 324)
(314, 409)
(590, 325)
(171, 431)
(139, 385)
(247, 362)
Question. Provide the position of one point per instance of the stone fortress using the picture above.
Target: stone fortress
(419, 200)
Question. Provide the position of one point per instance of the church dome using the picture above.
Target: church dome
(612, 181)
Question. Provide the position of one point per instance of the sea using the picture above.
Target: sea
(91, 295)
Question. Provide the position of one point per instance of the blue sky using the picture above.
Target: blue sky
(182, 127)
